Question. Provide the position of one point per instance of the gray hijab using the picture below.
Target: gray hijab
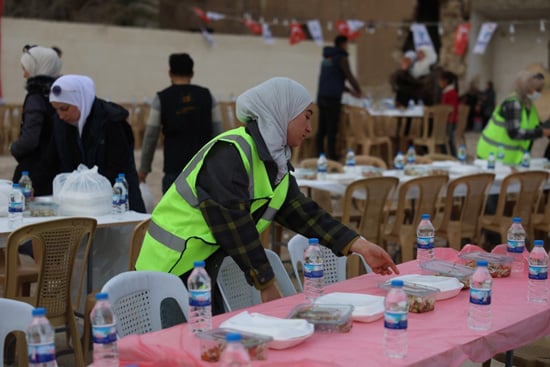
(273, 104)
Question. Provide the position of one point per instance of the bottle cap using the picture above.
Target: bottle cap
(313, 241)
(24, 173)
(482, 263)
(122, 175)
(199, 264)
(101, 296)
(396, 283)
(233, 337)
(14, 185)
(425, 216)
(39, 311)
(516, 220)
(118, 179)
(538, 243)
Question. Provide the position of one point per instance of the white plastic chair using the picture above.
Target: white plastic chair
(334, 267)
(14, 316)
(235, 290)
(145, 301)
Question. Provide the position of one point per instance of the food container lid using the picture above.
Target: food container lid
(249, 340)
(491, 258)
(324, 314)
(447, 268)
(413, 289)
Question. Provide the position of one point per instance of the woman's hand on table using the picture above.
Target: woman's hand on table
(377, 258)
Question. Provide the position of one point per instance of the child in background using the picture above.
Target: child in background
(448, 83)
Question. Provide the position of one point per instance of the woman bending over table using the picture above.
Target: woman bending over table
(235, 186)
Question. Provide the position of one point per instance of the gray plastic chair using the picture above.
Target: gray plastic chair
(235, 290)
(334, 267)
(145, 301)
(14, 316)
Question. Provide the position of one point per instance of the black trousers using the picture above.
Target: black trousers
(329, 117)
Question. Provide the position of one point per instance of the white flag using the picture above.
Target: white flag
(354, 25)
(266, 33)
(212, 15)
(484, 37)
(421, 37)
(314, 27)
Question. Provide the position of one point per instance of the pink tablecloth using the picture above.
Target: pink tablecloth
(437, 338)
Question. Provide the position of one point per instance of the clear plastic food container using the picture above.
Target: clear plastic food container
(43, 208)
(327, 318)
(421, 298)
(212, 343)
(449, 269)
(500, 266)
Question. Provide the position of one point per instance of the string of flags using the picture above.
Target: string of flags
(354, 28)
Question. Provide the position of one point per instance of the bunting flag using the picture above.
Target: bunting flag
(461, 38)
(297, 34)
(485, 34)
(266, 33)
(201, 14)
(207, 37)
(316, 32)
(350, 28)
(421, 37)
(212, 15)
(254, 26)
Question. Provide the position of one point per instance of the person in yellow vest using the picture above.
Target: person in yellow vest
(515, 122)
(235, 186)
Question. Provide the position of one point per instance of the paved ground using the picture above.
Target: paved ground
(7, 165)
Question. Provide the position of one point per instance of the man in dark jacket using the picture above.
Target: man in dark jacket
(335, 70)
(188, 116)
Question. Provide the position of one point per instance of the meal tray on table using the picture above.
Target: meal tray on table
(212, 344)
(449, 269)
(421, 298)
(500, 266)
(325, 317)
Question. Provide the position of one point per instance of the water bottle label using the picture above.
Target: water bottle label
(321, 169)
(27, 192)
(490, 164)
(41, 353)
(399, 166)
(116, 199)
(395, 320)
(15, 207)
(480, 296)
(104, 334)
(122, 199)
(538, 272)
(425, 243)
(313, 270)
(516, 246)
(199, 298)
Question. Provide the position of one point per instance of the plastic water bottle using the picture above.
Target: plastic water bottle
(15, 207)
(314, 280)
(411, 155)
(41, 340)
(516, 244)
(396, 314)
(526, 159)
(425, 234)
(500, 153)
(479, 314)
(537, 290)
(127, 188)
(200, 299)
(322, 167)
(491, 161)
(350, 161)
(104, 334)
(399, 161)
(461, 154)
(119, 197)
(234, 354)
(25, 184)
(411, 104)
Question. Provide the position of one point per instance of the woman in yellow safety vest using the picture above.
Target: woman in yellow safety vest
(235, 186)
(515, 122)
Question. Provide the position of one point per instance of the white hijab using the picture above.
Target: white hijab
(422, 67)
(76, 90)
(273, 104)
(40, 60)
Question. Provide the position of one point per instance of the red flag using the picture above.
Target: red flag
(201, 14)
(351, 31)
(255, 27)
(461, 38)
(297, 34)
